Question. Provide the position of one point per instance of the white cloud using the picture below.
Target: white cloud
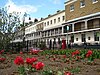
(20, 8)
(29, 9)
(56, 1)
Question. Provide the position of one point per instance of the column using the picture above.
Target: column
(40, 34)
(58, 30)
(54, 31)
(73, 27)
(50, 32)
(62, 29)
(47, 33)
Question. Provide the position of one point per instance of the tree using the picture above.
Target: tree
(8, 24)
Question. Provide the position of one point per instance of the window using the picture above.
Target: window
(89, 38)
(48, 23)
(72, 8)
(45, 23)
(51, 21)
(54, 20)
(63, 18)
(94, 1)
(82, 3)
(58, 19)
(76, 39)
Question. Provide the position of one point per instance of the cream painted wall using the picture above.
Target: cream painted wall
(52, 18)
(88, 34)
(79, 38)
(30, 29)
(91, 35)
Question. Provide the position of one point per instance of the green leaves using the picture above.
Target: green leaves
(47, 72)
(21, 70)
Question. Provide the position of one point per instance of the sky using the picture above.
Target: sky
(35, 8)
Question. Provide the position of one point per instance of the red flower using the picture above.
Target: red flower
(34, 59)
(35, 51)
(2, 59)
(29, 61)
(89, 53)
(21, 52)
(75, 53)
(64, 56)
(33, 65)
(1, 51)
(19, 61)
(67, 73)
(39, 65)
(78, 57)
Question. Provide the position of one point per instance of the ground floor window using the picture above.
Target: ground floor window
(96, 36)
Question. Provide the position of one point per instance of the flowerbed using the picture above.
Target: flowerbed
(51, 62)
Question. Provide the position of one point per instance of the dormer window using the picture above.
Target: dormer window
(82, 3)
(72, 8)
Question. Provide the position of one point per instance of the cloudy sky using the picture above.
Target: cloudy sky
(36, 8)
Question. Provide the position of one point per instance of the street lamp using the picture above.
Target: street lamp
(67, 35)
(24, 36)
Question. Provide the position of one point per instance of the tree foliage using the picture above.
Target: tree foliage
(8, 24)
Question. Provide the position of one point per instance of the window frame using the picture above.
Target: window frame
(58, 19)
(82, 3)
(54, 21)
(94, 1)
(63, 18)
(72, 8)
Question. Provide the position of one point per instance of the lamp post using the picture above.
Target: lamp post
(24, 36)
(67, 35)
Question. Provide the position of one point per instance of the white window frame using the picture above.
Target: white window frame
(72, 8)
(94, 1)
(81, 5)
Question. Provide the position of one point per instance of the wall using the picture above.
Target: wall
(52, 18)
(89, 8)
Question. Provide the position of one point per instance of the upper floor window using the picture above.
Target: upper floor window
(51, 21)
(54, 20)
(63, 18)
(58, 19)
(48, 23)
(45, 23)
(94, 1)
(82, 3)
(72, 8)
